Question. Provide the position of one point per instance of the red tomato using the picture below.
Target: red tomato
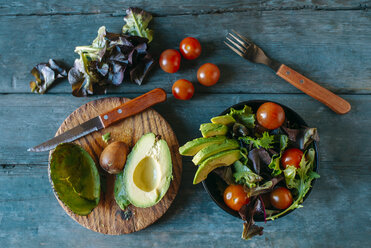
(208, 74)
(235, 197)
(270, 115)
(183, 89)
(170, 60)
(190, 48)
(291, 157)
(281, 198)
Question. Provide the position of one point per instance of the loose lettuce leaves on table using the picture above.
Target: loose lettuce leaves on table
(75, 178)
(45, 75)
(108, 61)
(137, 21)
(300, 180)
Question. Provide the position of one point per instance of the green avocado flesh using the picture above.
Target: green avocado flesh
(192, 147)
(211, 150)
(212, 129)
(75, 178)
(225, 158)
(223, 119)
(147, 173)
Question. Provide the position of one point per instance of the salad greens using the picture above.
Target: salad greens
(137, 21)
(244, 175)
(106, 137)
(302, 183)
(265, 141)
(45, 75)
(244, 116)
(107, 61)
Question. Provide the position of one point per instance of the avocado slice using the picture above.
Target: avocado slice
(212, 129)
(192, 147)
(223, 119)
(225, 158)
(208, 151)
(147, 173)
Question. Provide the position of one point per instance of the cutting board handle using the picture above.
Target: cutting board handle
(334, 102)
(133, 106)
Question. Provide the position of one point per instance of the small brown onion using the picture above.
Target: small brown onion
(113, 157)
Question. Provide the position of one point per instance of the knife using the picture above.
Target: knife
(127, 109)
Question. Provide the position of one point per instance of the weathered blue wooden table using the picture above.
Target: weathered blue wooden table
(328, 41)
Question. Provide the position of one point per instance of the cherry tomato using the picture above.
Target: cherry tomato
(281, 198)
(270, 115)
(190, 48)
(170, 60)
(183, 89)
(235, 197)
(291, 157)
(208, 74)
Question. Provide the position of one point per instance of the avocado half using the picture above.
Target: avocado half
(147, 173)
(75, 178)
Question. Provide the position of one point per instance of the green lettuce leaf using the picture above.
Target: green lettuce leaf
(290, 173)
(106, 137)
(244, 116)
(275, 162)
(265, 141)
(302, 182)
(244, 175)
(137, 21)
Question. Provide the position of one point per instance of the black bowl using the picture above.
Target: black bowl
(212, 181)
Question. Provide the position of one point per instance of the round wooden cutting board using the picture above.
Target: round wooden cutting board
(107, 217)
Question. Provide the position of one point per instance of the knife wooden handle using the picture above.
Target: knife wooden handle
(334, 102)
(133, 106)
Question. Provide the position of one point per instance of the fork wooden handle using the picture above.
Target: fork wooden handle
(334, 102)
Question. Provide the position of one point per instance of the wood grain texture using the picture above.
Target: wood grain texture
(329, 47)
(327, 41)
(334, 102)
(29, 211)
(170, 7)
(107, 217)
(133, 107)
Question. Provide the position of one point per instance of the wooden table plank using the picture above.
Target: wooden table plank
(328, 41)
(169, 7)
(28, 120)
(29, 212)
(330, 47)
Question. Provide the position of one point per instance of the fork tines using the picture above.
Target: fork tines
(238, 43)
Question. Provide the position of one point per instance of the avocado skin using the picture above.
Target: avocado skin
(228, 144)
(212, 129)
(225, 158)
(223, 119)
(192, 147)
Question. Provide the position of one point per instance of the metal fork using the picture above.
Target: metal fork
(248, 50)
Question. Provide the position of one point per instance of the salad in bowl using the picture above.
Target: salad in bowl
(257, 160)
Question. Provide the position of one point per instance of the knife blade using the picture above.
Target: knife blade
(104, 120)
